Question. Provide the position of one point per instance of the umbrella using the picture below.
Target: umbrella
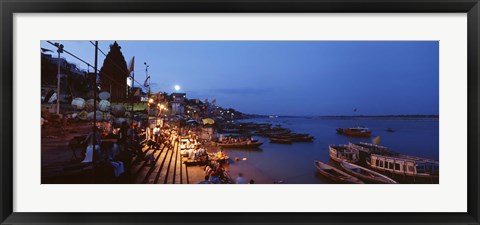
(78, 103)
(104, 95)
(208, 121)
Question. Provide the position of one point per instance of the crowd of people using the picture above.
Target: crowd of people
(216, 174)
(111, 150)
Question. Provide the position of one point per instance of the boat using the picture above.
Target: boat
(390, 130)
(303, 139)
(241, 145)
(365, 174)
(341, 153)
(293, 137)
(335, 174)
(405, 165)
(281, 140)
(355, 131)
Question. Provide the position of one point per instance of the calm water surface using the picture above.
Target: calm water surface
(293, 163)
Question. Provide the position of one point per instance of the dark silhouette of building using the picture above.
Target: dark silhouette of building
(72, 79)
(114, 73)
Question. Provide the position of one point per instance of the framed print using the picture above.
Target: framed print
(258, 112)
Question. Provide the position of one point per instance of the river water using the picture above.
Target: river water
(293, 163)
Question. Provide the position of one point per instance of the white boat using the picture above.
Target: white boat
(341, 153)
(404, 165)
(335, 174)
(366, 174)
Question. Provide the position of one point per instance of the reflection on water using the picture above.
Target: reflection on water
(293, 163)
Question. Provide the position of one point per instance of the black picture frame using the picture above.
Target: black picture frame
(9, 7)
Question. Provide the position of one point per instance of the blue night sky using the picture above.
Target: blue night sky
(288, 77)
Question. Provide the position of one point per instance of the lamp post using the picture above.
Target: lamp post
(147, 79)
(150, 100)
(59, 50)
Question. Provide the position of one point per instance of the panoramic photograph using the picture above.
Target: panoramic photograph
(239, 112)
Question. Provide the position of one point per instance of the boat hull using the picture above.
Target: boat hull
(335, 174)
(241, 145)
(355, 132)
(280, 140)
(366, 174)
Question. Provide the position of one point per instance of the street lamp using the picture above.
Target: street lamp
(59, 50)
(150, 100)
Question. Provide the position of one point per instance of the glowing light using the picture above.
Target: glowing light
(177, 87)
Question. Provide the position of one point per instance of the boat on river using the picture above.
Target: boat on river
(335, 174)
(366, 174)
(405, 165)
(355, 131)
(341, 153)
(253, 144)
(281, 140)
(291, 137)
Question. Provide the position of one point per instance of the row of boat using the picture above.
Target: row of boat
(383, 165)
(276, 134)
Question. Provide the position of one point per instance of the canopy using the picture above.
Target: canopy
(208, 121)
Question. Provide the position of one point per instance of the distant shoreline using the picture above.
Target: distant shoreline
(378, 117)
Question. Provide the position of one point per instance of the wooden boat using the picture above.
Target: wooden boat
(341, 153)
(404, 165)
(366, 174)
(293, 137)
(355, 131)
(335, 174)
(281, 140)
(303, 139)
(241, 145)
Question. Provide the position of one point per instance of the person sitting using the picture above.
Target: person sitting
(195, 154)
(240, 179)
(156, 133)
(208, 169)
(214, 178)
(93, 138)
(206, 181)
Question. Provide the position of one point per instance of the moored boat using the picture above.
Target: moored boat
(241, 145)
(341, 153)
(335, 174)
(303, 139)
(366, 174)
(293, 137)
(404, 165)
(355, 131)
(281, 140)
